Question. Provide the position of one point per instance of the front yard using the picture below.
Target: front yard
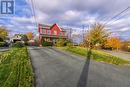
(97, 55)
(15, 68)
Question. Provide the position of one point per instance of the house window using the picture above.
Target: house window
(48, 31)
(61, 34)
(65, 34)
(44, 31)
(55, 32)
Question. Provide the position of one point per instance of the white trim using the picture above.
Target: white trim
(59, 27)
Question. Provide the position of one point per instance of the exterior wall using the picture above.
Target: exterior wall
(55, 30)
(51, 34)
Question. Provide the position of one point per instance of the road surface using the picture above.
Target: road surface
(54, 68)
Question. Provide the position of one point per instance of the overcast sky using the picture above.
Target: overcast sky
(72, 13)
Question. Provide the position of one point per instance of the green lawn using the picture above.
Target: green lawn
(15, 68)
(98, 56)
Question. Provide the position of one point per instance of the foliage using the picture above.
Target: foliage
(98, 56)
(18, 44)
(126, 46)
(60, 42)
(69, 45)
(29, 35)
(24, 37)
(15, 68)
(1, 40)
(97, 35)
(3, 33)
(82, 44)
(113, 43)
(2, 44)
(47, 43)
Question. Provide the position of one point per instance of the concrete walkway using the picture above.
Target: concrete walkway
(54, 68)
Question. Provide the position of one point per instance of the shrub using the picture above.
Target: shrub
(47, 43)
(18, 45)
(125, 46)
(70, 45)
(2, 44)
(60, 43)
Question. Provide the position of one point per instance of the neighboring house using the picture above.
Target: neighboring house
(51, 33)
(19, 37)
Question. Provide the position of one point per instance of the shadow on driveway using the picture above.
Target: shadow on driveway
(84, 74)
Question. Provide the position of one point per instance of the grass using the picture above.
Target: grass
(15, 68)
(98, 56)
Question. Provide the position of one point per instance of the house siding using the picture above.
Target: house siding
(51, 34)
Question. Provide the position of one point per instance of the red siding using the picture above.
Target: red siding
(54, 29)
(40, 29)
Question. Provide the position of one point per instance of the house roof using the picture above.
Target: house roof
(51, 26)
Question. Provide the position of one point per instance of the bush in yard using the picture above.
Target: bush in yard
(18, 44)
(47, 43)
(2, 44)
(69, 45)
(126, 46)
(60, 42)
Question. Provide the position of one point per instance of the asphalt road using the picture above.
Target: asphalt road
(54, 68)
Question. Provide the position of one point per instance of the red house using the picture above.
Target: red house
(51, 33)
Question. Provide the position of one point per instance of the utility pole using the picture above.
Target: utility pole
(83, 32)
(70, 33)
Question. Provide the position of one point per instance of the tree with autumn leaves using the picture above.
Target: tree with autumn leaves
(3, 33)
(113, 43)
(29, 35)
(99, 36)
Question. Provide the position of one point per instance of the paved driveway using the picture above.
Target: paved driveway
(54, 68)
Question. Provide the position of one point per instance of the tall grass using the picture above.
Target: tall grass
(15, 68)
(98, 56)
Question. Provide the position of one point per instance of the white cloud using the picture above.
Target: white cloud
(124, 29)
(23, 19)
(75, 13)
(71, 15)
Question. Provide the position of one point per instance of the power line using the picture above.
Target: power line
(116, 15)
(33, 12)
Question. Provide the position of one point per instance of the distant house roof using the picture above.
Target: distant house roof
(51, 26)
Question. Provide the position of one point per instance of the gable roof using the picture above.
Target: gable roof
(50, 27)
